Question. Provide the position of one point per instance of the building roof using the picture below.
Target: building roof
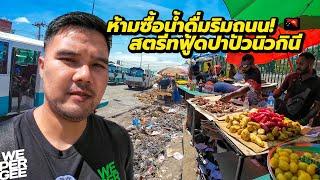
(18, 38)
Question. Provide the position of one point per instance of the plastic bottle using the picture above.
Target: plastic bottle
(136, 122)
(194, 85)
(149, 125)
(271, 101)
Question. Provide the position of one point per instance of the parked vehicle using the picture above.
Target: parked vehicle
(21, 85)
(140, 78)
(117, 73)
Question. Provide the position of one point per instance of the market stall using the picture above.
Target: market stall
(230, 122)
(187, 93)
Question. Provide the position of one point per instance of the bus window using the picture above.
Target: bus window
(111, 68)
(136, 72)
(3, 57)
(25, 57)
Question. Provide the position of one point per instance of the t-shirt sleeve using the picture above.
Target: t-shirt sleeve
(317, 98)
(285, 85)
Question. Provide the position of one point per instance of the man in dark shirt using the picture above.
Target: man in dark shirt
(194, 73)
(252, 77)
(232, 71)
(302, 100)
(196, 68)
(62, 139)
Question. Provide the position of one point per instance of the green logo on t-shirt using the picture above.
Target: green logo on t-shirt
(109, 172)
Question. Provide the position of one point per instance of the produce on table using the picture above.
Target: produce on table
(192, 86)
(261, 126)
(200, 101)
(219, 108)
(288, 164)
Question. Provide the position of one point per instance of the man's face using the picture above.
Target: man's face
(74, 72)
(303, 66)
(245, 66)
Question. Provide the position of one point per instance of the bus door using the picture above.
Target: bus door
(24, 64)
(4, 78)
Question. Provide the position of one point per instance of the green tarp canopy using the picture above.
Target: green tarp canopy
(307, 10)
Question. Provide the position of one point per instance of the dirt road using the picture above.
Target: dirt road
(121, 101)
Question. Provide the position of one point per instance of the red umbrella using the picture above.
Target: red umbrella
(312, 37)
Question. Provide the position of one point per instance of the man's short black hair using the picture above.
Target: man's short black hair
(248, 57)
(77, 19)
(308, 56)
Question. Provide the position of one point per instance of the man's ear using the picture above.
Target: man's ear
(41, 65)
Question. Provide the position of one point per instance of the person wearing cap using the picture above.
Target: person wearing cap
(302, 99)
(63, 138)
(252, 88)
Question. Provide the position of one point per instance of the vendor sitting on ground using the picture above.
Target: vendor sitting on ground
(252, 89)
(302, 100)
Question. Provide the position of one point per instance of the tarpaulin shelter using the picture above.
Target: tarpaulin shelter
(312, 37)
(173, 71)
(307, 10)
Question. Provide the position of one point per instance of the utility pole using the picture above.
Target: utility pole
(39, 25)
(141, 61)
(93, 6)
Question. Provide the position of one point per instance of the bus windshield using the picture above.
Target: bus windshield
(112, 68)
(136, 72)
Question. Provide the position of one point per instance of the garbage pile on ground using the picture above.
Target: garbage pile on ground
(152, 97)
(153, 128)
